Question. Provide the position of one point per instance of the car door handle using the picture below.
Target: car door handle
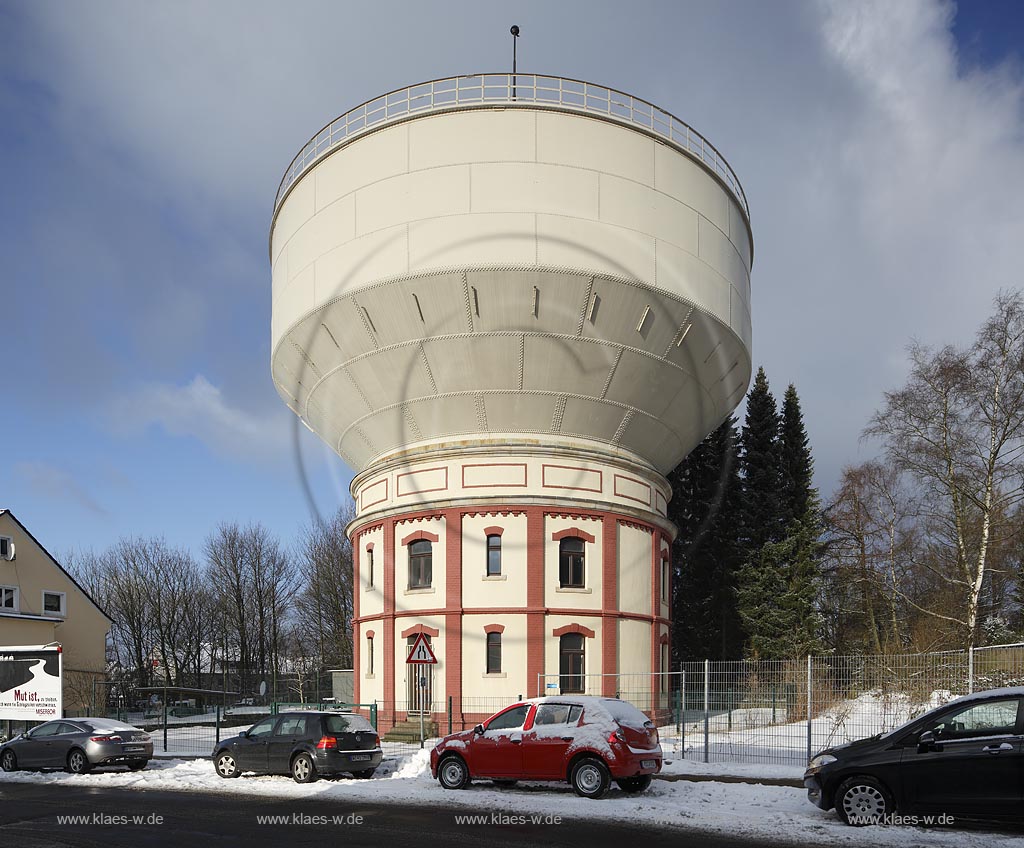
(567, 739)
(995, 749)
(516, 741)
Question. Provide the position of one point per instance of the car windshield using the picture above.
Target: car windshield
(346, 723)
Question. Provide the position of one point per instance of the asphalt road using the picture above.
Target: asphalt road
(29, 819)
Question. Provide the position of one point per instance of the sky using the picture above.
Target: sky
(880, 145)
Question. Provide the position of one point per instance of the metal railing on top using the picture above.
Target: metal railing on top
(533, 90)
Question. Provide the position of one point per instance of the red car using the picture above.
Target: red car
(586, 741)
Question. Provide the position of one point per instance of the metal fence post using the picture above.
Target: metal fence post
(707, 706)
(373, 714)
(217, 741)
(165, 721)
(682, 715)
(970, 670)
(810, 695)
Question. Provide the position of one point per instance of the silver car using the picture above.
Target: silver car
(78, 744)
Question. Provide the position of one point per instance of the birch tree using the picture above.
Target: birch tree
(957, 429)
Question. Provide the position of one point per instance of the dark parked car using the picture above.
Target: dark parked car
(304, 745)
(586, 741)
(963, 759)
(78, 745)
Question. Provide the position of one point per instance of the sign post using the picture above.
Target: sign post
(420, 655)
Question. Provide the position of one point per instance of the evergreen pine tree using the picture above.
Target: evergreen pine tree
(797, 465)
(778, 580)
(706, 554)
(762, 517)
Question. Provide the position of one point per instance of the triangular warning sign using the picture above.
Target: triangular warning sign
(421, 652)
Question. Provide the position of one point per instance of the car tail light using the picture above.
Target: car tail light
(376, 741)
(105, 738)
(616, 736)
(326, 742)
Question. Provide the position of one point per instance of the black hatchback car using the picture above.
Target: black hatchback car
(305, 745)
(964, 759)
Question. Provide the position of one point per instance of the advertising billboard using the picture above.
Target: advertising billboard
(30, 682)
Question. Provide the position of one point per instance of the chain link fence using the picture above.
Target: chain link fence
(784, 711)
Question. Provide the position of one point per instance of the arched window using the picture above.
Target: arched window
(494, 653)
(420, 564)
(369, 567)
(571, 663)
(493, 556)
(571, 560)
(369, 656)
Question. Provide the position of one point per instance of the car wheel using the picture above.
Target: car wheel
(590, 778)
(863, 800)
(452, 773)
(505, 784)
(304, 769)
(138, 765)
(365, 774)
(9, 762)
(225, 765)
(636, 784)
(78, 763)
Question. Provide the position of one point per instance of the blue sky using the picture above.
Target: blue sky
(880, 145)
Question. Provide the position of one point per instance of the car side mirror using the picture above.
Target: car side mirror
(927, 742)
(243, 733)
(479, 730)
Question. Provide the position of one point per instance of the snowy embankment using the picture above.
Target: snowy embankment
(763, 812)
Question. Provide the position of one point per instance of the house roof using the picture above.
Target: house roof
(53, 559)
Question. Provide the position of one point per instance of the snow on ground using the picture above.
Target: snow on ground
(753, 810)
(749, 736)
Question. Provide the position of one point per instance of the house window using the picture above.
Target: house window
(493, 556)
(9, 598)
(53, 603)
(369, 656)
(571, 663)
(420, 564)
(369, 566)
(664, 581)
(494, 653)
(6, 547)
(570, 562)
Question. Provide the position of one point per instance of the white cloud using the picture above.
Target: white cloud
(200, 410)
(55, 483)
(883, 177)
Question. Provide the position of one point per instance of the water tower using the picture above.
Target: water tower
(512, 304)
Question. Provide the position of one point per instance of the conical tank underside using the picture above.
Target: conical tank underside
(511, 271)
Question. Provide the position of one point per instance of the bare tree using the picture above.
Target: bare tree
(957, 429)
(325, 604)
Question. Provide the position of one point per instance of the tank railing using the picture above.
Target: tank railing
(532, 89)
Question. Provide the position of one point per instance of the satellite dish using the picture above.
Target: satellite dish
(263, 688)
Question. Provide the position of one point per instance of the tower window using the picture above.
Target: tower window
(369, 567)
(420, 564)
(493, 556)
(571, 560)
(571, 664)
(369, 656)
(494, 653)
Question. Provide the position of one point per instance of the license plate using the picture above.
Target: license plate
(648, 764)
(133, 748)
(356, 758)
